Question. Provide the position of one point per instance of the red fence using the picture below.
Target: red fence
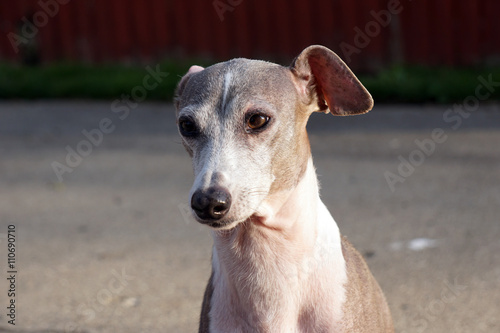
(367, 34)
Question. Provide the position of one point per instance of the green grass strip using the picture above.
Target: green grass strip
(398, 84)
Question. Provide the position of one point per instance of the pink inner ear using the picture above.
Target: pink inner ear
(195, 69)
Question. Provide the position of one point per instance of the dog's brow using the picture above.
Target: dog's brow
(262, 103)
(188, 110)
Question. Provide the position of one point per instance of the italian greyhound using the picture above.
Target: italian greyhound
(279, 263)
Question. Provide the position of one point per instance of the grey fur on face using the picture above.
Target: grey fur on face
(219, 100)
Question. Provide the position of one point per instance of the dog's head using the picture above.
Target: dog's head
(243, 123)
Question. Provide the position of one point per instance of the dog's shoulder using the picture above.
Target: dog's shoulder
(362, 292)
(205, 308)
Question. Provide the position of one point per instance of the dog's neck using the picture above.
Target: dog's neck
(267, 269)
(284, 212)
(287, 218)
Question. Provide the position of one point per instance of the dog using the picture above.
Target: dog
(279, 263)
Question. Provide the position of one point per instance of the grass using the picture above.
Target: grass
(70, 81)
(419, 84)
(400, 84)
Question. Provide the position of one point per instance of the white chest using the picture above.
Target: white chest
(268, 287)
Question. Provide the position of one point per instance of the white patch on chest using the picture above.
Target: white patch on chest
(263, 283)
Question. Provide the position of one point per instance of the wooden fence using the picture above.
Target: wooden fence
(366, 33)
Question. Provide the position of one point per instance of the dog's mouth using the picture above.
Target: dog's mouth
(228, 222)
(216, 208)
(215, 222)
(219, 225)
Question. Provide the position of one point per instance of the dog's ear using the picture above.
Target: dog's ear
(324, 79)
(182, 83)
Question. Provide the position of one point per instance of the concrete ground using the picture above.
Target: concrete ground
(109, 247)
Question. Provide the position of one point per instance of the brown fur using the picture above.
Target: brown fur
(330, 83)
(362, 292)
(205, 308)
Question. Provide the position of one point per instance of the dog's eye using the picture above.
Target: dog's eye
(187, 127)
(257, 121)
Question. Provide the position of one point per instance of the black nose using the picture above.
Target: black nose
(211, 204)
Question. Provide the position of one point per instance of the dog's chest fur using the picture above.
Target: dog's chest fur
(274, 287)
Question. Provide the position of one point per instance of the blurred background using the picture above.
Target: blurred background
(406, 46)
(423, 32)
(95, 180)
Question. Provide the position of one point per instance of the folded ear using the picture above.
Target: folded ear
(324, 79)
(182, 83)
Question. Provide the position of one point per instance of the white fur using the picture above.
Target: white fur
(282, 267)
(227, 83)
(221, 155)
